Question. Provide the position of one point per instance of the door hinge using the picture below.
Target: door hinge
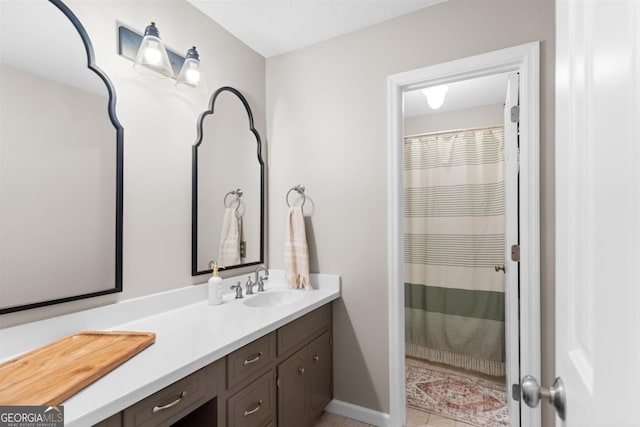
(515, 392)
(515, 114)
(515, 253)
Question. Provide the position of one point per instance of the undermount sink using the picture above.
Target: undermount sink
(274, 298)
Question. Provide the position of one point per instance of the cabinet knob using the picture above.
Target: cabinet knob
(300, 371)
(316, 358)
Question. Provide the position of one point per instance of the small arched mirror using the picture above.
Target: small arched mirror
(60, 161)
(227, 186)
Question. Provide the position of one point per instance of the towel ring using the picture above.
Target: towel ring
(298, 189)
(237, 193)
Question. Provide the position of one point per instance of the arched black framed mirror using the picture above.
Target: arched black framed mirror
(227, 186)
(61, 158)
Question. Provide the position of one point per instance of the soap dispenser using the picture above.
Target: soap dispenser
(215, 285)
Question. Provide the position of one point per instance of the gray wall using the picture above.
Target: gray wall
(485, 115)
(326, 110)
(159, 124)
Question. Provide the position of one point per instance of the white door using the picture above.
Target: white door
(598, 211)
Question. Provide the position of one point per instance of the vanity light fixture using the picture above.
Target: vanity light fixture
(152, 54)
(151, 57)
(435, 95)
(190, 72)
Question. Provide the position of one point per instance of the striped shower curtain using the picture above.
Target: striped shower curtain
(454, 237)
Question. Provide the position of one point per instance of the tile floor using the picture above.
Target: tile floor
(415, 418)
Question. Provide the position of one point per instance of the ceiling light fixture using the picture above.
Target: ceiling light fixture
(435, 95)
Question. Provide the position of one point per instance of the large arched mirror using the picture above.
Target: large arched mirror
(60, 161)
(228, 186)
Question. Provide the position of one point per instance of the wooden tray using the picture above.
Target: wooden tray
(52, 373)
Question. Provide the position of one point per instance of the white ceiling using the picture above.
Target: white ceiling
(487, 90)
(272, 27)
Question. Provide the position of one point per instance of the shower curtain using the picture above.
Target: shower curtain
(454, 237)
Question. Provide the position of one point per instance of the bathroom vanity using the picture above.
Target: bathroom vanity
(241, 363)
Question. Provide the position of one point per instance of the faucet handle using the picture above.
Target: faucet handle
(249, 286)
(238, 289)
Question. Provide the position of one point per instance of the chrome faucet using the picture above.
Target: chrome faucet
(260, 280)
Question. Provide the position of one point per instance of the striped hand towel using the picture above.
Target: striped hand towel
(229, 249)
(296, 252)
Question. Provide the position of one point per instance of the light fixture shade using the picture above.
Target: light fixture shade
(435, 95)
(190, 72)
(152, 58)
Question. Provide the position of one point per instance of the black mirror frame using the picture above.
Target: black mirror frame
(194, 183)
(119, 168)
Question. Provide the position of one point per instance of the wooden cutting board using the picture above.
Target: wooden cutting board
(52, 373)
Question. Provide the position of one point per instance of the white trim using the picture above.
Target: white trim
(525, 60)
(358, 413)
(512, 301)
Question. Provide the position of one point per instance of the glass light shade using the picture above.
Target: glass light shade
(152, 58)
(190, 72)
(435, 95)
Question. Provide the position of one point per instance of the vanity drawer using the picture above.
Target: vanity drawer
(254, 405)
(175, 401)
(298, 332)
(250, 359)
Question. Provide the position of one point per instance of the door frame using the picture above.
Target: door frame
(525, 59)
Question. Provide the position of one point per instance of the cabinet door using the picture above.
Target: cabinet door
(292, 396)
(319, 377)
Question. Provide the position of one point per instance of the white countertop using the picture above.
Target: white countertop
(190, 334)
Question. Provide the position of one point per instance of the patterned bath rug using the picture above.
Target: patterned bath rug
(474, 401)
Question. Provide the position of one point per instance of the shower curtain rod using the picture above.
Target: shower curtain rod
(452, 131)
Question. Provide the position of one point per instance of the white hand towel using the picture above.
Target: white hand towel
(296, 252)
(229, 249)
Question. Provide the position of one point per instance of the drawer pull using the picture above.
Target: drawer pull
(300, 370)
(159, 408)
(316, 358)
(254, 360)
(254, 410)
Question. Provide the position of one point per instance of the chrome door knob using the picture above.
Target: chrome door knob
(556, 395)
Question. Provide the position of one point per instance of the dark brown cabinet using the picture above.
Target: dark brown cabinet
(304, 384)
(254, 405)
(193, 394)
(292, 398)
(283, 379)
(320, 379)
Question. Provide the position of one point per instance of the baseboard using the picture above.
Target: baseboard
(358, 413)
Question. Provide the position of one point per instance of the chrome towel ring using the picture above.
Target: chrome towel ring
(237, 193)
(298, 189)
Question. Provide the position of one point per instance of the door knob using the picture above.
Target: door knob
(556, 394)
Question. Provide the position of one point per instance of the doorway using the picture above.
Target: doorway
(521, 300)
(456, 170)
